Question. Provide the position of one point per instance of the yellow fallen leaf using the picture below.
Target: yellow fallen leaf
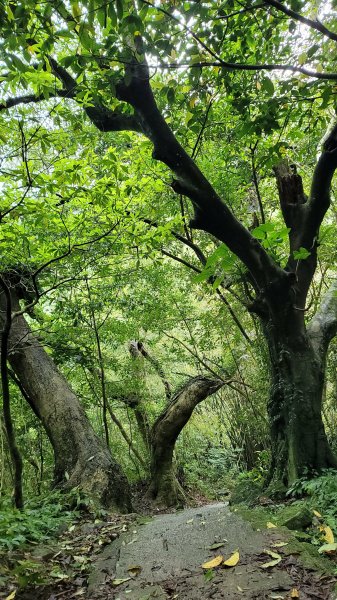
(317, 514)
(270, 564)
(328, 535)
(294, 593)
(11, 595)
(215, 562)
(272, 554)
(270, 525)
(232, 560)
(279, 544)
(120, 581)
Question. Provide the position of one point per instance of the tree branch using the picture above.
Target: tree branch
(101, 116)
(136, 347)
(211, 213)
(172, 420)
(319, 200)
(297, 17)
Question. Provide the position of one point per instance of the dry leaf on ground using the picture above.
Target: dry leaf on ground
(120, 581)
(215, 562)
(279, 544)
(271, 564)
(328, 535)
(272, 554)
(233, 560)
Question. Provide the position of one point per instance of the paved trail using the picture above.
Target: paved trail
(167, 554)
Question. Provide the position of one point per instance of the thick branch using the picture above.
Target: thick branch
(304, 217)
(32, 98)
(172, 420)
(319, 200)
(211, 214)
(291, 194)
(101, 116)
(323, 326)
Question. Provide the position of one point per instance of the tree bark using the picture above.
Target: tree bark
(81, 458)
(299, 442)
(298, 439)
(8, 421)
(164, 487)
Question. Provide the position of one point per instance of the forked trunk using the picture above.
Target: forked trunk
(81, 458)
(298, 438)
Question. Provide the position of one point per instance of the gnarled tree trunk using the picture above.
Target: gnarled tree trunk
(299, 443)
(81, 458)
(164, 487)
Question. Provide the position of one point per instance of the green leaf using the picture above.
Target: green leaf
(268, 86)
(301, 254)
(170, 95)
(120, 9)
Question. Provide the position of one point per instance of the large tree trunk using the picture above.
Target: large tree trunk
(164, 487)
(81, 458)
(299, 443)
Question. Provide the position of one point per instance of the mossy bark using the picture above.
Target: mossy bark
(298, 439)
(81, 458)
(164, 487)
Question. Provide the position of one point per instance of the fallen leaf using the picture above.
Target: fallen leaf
(239, 589)
(275, 597)
(208, 575)
(215, 562)
(317, 514)
(294, 592)
(134, 570)
(272, 554)
(189, 521)
(120, 581)
(271, 564)
(11, 595)
(215, 546)
(270, 525)
(232, 560)
(79, 592)
(328, 548)
(328, 535)
(279, 544)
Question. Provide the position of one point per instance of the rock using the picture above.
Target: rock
(300, 518)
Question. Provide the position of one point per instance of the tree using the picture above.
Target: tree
(161, 437)
(81, 458)
(103, 59)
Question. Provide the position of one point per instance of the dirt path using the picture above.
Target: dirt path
(162, 559)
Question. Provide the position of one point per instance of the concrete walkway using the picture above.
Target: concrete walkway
(163, 559)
